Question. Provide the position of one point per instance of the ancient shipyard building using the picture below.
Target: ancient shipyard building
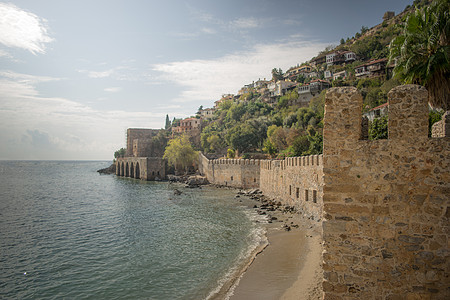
(143, 158)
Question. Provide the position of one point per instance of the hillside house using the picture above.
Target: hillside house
(340, 75)
(307, 91)
(318, 85)
(191, 127)
(261, 83)
(318, 61)
(279, 88)
(293, 73)
(207, 113)
(377, 112)
(374, 68)
(246, 89)
(340, 57)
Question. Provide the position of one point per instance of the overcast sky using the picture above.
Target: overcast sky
(74, 75)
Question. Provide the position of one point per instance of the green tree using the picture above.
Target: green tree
(167, 126)
(342, 41)
(231, 153)
(180, 154)
(214, 143)
(243, 138)
(277, 74)
(120, 153)
(433, 117)
(378, 129)
(269, 148)
(422, 51)
(300, 145)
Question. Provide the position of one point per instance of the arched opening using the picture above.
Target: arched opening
(138, 171)
(118, 168)
(131, 170)
(122, 169)
(127, 170)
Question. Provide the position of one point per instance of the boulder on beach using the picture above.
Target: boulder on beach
(196, 180)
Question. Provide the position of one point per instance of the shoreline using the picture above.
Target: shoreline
(286, 266)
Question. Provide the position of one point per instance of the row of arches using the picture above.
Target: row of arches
(128, 169)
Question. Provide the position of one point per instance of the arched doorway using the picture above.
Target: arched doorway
(118, 168)
(127, 170)
(131, 170)
(138, 171)
(122, 169)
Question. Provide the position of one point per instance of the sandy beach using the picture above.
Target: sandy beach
(287, 267)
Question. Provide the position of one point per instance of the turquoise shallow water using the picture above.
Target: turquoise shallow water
(68, 232)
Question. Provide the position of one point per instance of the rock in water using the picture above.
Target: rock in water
(109, 170)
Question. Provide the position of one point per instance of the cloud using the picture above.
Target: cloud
(21, 29)
(26, 78)
(37, 138)
(121, 73)
(113, 89)
(98, 74)
(38, 127)
(245, 23)
(208, 30)
(207, 80)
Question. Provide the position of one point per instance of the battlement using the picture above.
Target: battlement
(227, 161)
(385, 202)
(290, 162)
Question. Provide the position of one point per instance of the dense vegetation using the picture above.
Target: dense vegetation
(254, 126)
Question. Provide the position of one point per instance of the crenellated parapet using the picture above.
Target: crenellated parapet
(290, 162)
(385, 202)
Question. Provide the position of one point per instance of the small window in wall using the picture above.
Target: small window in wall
(231, 178)
(306, 195)
(297, 193)
(314, 196)
(153, 173)
(290, 190)
(158, 173)
(254, 179)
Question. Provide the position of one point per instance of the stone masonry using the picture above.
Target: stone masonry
(144, 168)
(385, 202)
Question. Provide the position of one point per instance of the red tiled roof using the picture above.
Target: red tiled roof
(318, 80)
(380, 106)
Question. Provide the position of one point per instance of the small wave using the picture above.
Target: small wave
(257, 238)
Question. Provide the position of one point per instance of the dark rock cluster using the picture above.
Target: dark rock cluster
(269, 207)
(109, 170)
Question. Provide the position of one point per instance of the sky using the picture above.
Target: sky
(74, 75)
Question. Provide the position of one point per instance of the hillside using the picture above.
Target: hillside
(283, 117)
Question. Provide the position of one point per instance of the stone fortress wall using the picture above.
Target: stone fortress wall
(294, 181)
(238, 173)
(384, 204)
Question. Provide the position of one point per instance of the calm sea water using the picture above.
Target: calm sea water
(68, 232)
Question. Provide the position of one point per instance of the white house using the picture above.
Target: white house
(340, 75)
(377, 112)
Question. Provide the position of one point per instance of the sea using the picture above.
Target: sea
(67, 232)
